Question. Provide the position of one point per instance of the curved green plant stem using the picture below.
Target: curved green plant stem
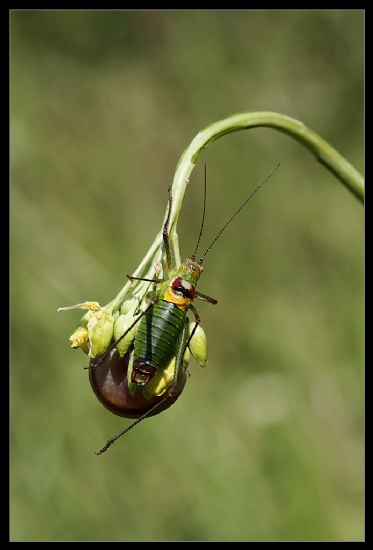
(323, 152)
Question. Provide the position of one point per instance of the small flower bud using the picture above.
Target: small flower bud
(100, 332)
(198, 344)
(121, 325)
(95, 329)
(128, 305)
(79, 339)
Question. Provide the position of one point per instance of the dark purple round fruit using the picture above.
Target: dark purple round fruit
(109, 383)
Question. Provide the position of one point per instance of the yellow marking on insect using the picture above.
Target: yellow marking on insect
(179, 300)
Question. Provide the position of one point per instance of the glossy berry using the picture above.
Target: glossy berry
(110, 384)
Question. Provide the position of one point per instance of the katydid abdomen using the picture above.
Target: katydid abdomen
(156, 339)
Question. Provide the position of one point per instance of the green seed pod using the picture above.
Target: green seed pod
(198, 344)
(100, 328)
(128, 305)
(121, 325)
(186, 358)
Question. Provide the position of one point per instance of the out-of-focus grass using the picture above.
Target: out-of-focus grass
(267, 442)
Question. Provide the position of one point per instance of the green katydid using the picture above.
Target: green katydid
(152, 372)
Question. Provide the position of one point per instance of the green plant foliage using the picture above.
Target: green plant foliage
(266, 443)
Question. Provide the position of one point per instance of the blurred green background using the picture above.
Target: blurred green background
(266, 443)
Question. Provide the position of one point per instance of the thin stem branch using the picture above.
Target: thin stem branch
(324, 153)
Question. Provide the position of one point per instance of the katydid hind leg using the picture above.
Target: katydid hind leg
(181, 347)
